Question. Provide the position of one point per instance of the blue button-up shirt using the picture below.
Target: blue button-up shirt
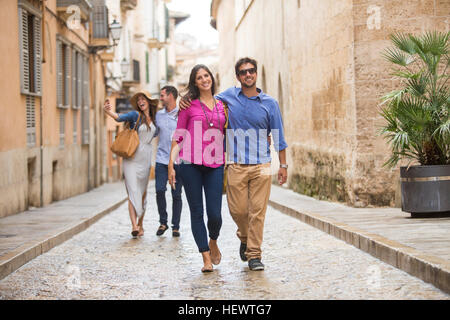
(251, 120)
(166, 122)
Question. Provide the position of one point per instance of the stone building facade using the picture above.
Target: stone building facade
(322, 61)
(53, 87)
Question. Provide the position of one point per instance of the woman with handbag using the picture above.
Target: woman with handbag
(198, 140)
(136, 168)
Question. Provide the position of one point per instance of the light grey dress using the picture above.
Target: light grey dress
(137, 169)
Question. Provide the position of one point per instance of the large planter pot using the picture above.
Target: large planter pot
(425, 189)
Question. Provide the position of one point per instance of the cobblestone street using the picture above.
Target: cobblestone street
(104, 262)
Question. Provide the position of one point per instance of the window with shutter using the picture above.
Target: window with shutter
(136, 71)
(59, 74)
(74, 78)
(31, 56)
(30, 51)
(31, 121)
(63, 72)
(66, 72)
(86, 82)
(38, 56)
(100, 20)
(79, 80)
(24, 52)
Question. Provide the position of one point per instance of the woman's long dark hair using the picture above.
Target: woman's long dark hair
(192, 91)
(151, 111)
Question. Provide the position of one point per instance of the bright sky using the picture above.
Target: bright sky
(198, 24)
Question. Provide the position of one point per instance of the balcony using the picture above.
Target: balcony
(100, 26)
(154, 41)
(128, 4)
(67, 8)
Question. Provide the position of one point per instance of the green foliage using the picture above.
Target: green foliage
(417, 115)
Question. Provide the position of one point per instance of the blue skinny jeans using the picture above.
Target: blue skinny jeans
(196, 179)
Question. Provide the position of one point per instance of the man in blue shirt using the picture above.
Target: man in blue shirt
(253, 115)
(166, 122)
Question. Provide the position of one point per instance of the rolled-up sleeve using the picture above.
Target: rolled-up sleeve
(129, 117)
(276, 128)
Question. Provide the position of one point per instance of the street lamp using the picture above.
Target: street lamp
(115, 29)
(124, 66)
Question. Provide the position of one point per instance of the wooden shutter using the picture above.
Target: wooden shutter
(80, 72)
(67, 80)
(31, 121)
(74, 78)
(24, 52)
(59, 74)
(86, 91)
(37, 56)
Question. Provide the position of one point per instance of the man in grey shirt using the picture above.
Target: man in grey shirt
(166, 121)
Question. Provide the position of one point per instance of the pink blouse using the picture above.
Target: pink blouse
(200, 142)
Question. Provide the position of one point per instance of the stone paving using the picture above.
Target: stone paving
(104, 262)
(428, 235)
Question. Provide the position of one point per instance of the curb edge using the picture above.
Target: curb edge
(431, 269)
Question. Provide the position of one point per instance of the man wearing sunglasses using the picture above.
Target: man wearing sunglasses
(253, 115)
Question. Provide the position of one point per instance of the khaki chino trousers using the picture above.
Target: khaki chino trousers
(248, 191)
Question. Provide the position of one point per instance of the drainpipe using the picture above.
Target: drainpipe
(41, 150)
(95, 124)
(43, 31)
(89, 144)
(41, 139)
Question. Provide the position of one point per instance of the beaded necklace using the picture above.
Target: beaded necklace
(211, 124)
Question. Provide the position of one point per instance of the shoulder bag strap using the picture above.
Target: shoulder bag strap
(137, 122)
(225, 109)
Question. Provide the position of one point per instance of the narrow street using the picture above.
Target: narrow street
(104, 262)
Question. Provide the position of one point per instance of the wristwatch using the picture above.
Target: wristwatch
(284, 166)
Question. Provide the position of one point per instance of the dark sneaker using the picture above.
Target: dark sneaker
(161, 230)
(242, 249)
(255, 265)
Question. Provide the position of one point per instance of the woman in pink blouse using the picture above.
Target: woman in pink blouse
(199, 141)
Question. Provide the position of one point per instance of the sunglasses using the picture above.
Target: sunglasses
(244, 71)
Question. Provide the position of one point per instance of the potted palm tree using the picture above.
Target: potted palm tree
(417, 120)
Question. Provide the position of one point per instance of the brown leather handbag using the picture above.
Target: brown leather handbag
(127, 141)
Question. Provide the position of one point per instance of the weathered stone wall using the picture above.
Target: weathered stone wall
(227, 45)
(321, 126)
(374, 21)
(65, 171)
(327, 56)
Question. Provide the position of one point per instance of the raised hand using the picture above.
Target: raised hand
(107, 106)
(108, 110)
